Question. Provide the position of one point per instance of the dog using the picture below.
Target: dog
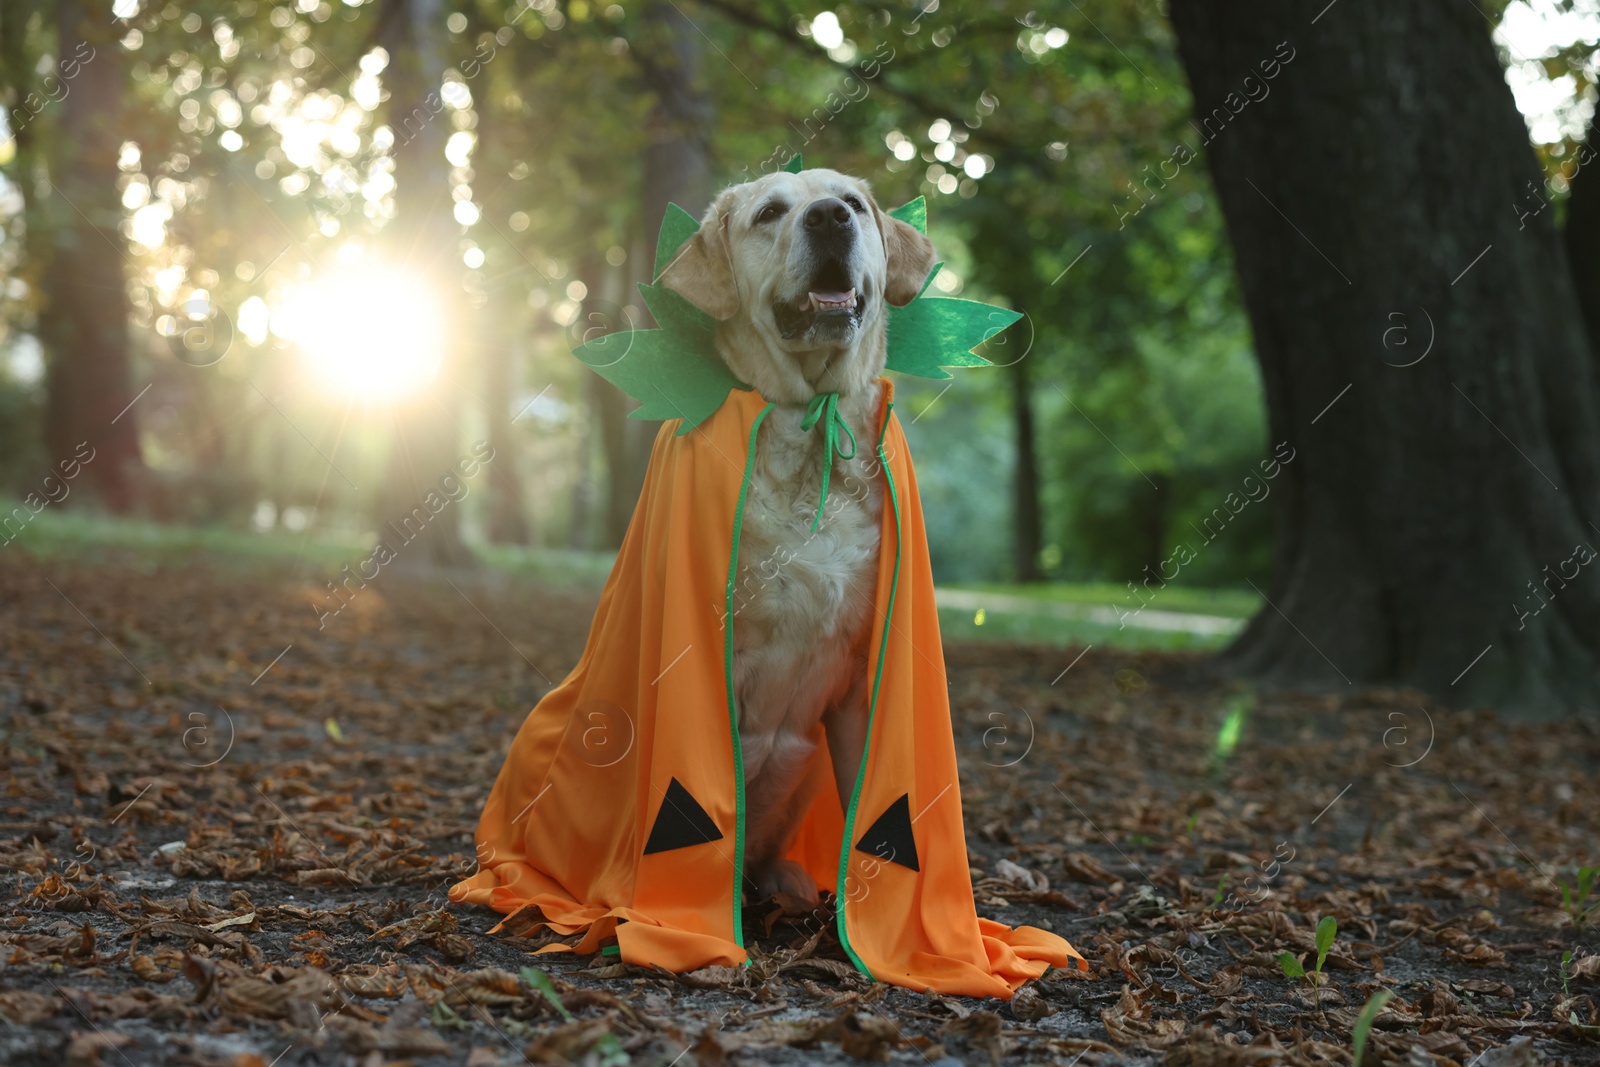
(797, 270)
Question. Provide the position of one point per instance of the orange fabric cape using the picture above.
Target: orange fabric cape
(620, 808)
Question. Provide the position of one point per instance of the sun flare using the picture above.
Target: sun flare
(369, 332)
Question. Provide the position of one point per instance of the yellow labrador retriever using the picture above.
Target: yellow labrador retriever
(797, 269)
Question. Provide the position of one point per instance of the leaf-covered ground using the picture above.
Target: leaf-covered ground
(227, 836)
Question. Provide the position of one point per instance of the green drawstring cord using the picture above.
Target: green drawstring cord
(825, 407)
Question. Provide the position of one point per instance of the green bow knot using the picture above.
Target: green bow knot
(824, 407)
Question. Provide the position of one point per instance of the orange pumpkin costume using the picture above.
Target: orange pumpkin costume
(620, 808)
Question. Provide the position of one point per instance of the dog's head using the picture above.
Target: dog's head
(797, 268)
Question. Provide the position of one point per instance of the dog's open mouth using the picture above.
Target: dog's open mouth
(828, 312)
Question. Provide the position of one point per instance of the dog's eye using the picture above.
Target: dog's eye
(771, 211)
(855, 204)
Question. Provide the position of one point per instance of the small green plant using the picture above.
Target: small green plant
(446, 1018)
(1222, 888)
(608, 1050)
(1364, 1021)
(540, 983)
(1232, 726)
(1578, 901)
(1566, 995)
(1327, 930)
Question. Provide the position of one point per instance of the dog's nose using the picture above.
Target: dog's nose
(828, 216)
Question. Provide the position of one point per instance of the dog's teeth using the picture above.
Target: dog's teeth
(844, 302)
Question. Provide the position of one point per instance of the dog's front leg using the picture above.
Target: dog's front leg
(845, 724)
(777, 795)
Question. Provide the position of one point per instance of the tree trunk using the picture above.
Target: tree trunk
(677, 169)
(424, 444)
(74, 223)
(1429, 505)
(1154, 527)
(1582, 233)
(1025, 521)
(508, 509)
(501, 321)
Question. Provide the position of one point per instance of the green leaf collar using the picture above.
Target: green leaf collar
(675, 373)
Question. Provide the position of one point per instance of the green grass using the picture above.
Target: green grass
(960, 625)
(549, 566)
(1231, 603)
(65, 533)
(75, 534)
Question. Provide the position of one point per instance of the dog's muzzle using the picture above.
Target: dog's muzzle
(830, 309)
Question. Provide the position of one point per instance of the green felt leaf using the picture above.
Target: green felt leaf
(795, 164)
(674, 372)
(914, 212)
(932, 333)
(677, 226)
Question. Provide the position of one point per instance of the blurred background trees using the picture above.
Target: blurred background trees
(323, 246)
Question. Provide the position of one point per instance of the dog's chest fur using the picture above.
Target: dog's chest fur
(804, 599)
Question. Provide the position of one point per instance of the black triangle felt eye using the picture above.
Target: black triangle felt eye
(890, 837)
(681, 822)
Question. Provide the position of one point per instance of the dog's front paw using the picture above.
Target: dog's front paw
(785, 876)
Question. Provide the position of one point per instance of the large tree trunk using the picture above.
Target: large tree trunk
(1430, 513)
(424, 444)
(1582, 233)
(74, 223)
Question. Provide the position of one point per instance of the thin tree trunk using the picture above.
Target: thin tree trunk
(1154, 526)
(579, 534)
(1025, 520)
(677, 169)
(74, 229)
(500, 328)
(508, 510)
(423, 237)
(1368, 188)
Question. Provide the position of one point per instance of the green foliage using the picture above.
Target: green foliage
(1134, 359)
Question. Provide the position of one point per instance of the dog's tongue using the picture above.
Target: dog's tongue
(832, 298)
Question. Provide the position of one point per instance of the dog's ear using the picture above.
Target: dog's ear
(910, 257)
(702, 271)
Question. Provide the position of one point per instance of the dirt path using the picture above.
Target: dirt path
(228, 833)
